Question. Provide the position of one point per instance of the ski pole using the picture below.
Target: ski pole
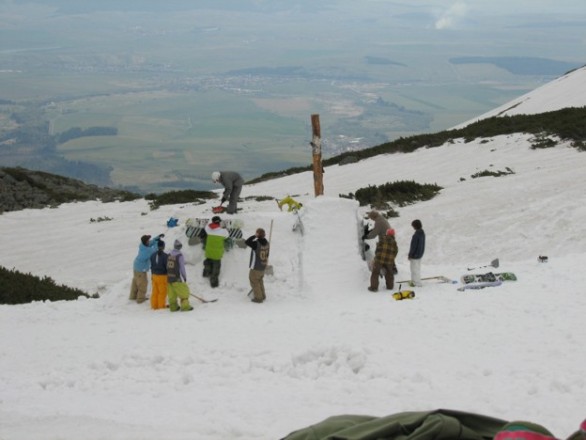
(494, 263)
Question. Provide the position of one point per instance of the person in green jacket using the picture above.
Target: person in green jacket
(214, 250)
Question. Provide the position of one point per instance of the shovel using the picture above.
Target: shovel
(269, 269)
(494, 263)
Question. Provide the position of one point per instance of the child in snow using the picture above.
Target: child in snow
(159, 277)
(177, 280)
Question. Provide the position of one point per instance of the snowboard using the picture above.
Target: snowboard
(195, 227)
(480, 285)
(364, 248)
(298, 225)
(488, 277)
(438, 278)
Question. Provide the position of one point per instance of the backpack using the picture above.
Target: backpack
(173, 273)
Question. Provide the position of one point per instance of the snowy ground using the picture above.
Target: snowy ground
(321, 344)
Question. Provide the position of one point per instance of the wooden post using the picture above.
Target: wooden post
(318, 169)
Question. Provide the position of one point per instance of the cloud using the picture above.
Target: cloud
(450, 17)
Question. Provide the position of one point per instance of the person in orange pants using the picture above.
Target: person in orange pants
(159, 277)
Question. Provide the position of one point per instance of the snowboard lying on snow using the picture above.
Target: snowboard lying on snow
(488, 277)
(480, 281)
(437, 279)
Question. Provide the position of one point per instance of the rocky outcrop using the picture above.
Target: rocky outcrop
(21, 189)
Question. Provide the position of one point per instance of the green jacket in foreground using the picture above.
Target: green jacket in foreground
(440, 424)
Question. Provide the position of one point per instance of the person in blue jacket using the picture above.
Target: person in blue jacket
(142, 264)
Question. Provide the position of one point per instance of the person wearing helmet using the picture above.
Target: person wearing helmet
(214, 250)
(232, 183)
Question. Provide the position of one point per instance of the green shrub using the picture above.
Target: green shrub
(100, 219)
(178, 197)
(487, 173)
(401, 193)
(19, 288)
(259, 198)
(542, 141)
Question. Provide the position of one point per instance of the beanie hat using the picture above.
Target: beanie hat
(145, 239)
(391, 231)
(216, 176)
(416, 224)
(161, 244)
(177, 245)
(520, 430)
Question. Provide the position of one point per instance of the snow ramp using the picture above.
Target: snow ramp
(330, 262)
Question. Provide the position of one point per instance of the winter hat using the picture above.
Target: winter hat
(416, 224)
(161, 244)
(391, 231)
(216, 176)
(145, 239)
(177, 245)
(261, 233)
(523, 431)
(216, 219)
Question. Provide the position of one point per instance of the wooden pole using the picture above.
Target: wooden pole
(318, 169)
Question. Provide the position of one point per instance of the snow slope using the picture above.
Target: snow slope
(565, 91)
(321, 344)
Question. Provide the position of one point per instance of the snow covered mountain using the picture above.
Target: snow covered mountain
(321, 344)
(566, 91)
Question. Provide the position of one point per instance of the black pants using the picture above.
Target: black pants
(211, 269)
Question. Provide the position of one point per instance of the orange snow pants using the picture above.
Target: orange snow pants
(159, 294)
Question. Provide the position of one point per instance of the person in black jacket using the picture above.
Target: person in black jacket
(159, 277)
(416, 251)
(259, 257)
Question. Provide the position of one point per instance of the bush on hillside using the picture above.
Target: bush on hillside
(565, 124)
(259, 198)
(19, 288)
(541, 140)
(178, 197)
(401, 193)
(488, 173)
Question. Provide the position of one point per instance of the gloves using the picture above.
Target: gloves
(223, 200)
(366, 232)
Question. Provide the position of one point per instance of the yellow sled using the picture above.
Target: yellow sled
(404, 294)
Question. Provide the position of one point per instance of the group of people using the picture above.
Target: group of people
(168, 274)
(387, 249)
